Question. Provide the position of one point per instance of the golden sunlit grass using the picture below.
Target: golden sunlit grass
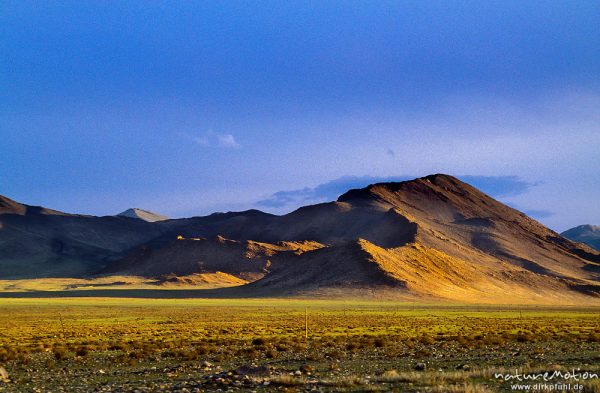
(194, 281)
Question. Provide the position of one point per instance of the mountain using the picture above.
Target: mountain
(443, 238)
(247, 260)
(8, 206)
(142, 215)
(40, 242)
(430, 238)
(588, 234)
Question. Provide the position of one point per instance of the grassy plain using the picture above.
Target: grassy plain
(111, 344)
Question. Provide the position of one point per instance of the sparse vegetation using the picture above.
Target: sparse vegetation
(122, 344)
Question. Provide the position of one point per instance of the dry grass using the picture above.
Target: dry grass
(348, 341)
(464, 388)
(287, 380)
(592, 386)
(193, 281)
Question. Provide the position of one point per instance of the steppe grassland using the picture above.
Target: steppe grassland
(350, 343)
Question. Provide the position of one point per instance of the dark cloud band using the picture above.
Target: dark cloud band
(495, 186)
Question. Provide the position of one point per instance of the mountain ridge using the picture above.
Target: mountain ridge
(587, 234)
(9, 206)
(431, 237)
(142, 214)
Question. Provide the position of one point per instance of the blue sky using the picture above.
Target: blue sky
(190, 107)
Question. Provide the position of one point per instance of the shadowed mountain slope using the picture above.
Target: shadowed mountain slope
(39, 245)
(587, 234)
(452, 214)
(248, 260)
(432, 237)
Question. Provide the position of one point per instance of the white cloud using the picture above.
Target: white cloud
(227, 140)
(201, 140)
(215, 139)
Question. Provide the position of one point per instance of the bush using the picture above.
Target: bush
(379, 343)
(525, 337)
(61, 353)
(594, 337)
(494, 340)
(425, 339)
(83, 351)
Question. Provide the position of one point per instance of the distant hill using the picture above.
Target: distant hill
(39, 242)
(430, 238)
(588, 234)
(142, 215)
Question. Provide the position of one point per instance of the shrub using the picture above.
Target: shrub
(425, 339)
(525, 337)
(61, 353)
(83, 351)
(379, 343)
